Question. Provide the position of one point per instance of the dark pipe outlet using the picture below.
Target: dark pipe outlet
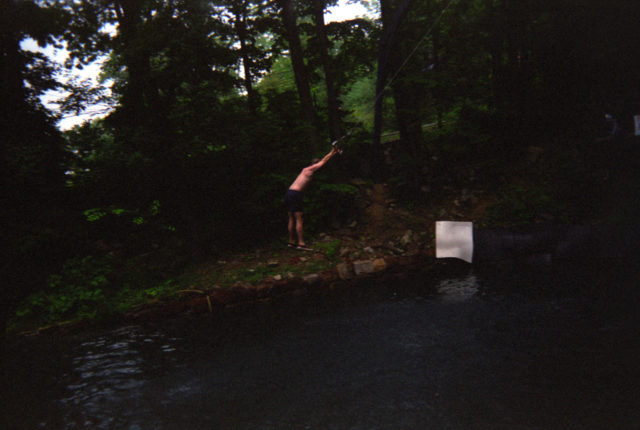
(547, 243)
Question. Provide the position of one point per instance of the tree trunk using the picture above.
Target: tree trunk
(387, 62)
(11, 85)
(141, 99)
(300, 72)
(323, 45)
(408, 109)
(437, 94)
(240, 25)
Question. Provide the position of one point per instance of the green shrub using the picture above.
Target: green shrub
(519, 205)
(77, 292)
(329, 202)
(127, 297)
(89, 288)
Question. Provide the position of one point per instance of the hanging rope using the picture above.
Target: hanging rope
(406, 60)
(413, 51)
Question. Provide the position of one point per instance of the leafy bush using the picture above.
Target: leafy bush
(88, 288)
(127, 297)
(77, 292)
(330, 203)
(519, 205)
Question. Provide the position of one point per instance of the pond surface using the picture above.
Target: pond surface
(503, 349)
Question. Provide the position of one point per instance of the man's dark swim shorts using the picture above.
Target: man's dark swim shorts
(293, 201)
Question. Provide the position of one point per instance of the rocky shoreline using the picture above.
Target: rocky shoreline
(270, 289)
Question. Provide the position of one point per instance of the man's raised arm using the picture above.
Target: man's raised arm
(324, 160)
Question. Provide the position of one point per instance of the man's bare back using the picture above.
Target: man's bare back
(302, 180)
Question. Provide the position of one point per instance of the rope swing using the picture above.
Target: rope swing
(383, 58)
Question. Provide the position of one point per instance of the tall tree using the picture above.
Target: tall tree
(289, 19)
(392, 13)
(122, 29)
(333, 113)
(250, 20)
(31, 152)
(240, 12)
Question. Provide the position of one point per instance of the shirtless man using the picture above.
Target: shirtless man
(293, 200)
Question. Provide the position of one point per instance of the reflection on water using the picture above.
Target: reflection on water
(470, 351)
(458, 289)
(100, 373)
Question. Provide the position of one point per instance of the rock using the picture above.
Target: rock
(277, 277)
(345, 271)
(369, 250)
(379, 264)
(393, 248)
(273, 263)
(344, 251)
(312, 279)
(363, 267)
(407, 238)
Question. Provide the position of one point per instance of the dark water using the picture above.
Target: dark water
(550, 349)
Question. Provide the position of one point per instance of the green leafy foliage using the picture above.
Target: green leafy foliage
(329, 203)
(519, 205)
(92, 288)
(77, 292)
(358, 100)
(129, 295)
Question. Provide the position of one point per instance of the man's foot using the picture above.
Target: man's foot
(304, 248)
(291, 245)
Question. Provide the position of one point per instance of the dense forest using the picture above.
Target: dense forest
(216, 104)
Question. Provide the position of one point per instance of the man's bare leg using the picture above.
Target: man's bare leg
(292, 229)
(299, 228)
